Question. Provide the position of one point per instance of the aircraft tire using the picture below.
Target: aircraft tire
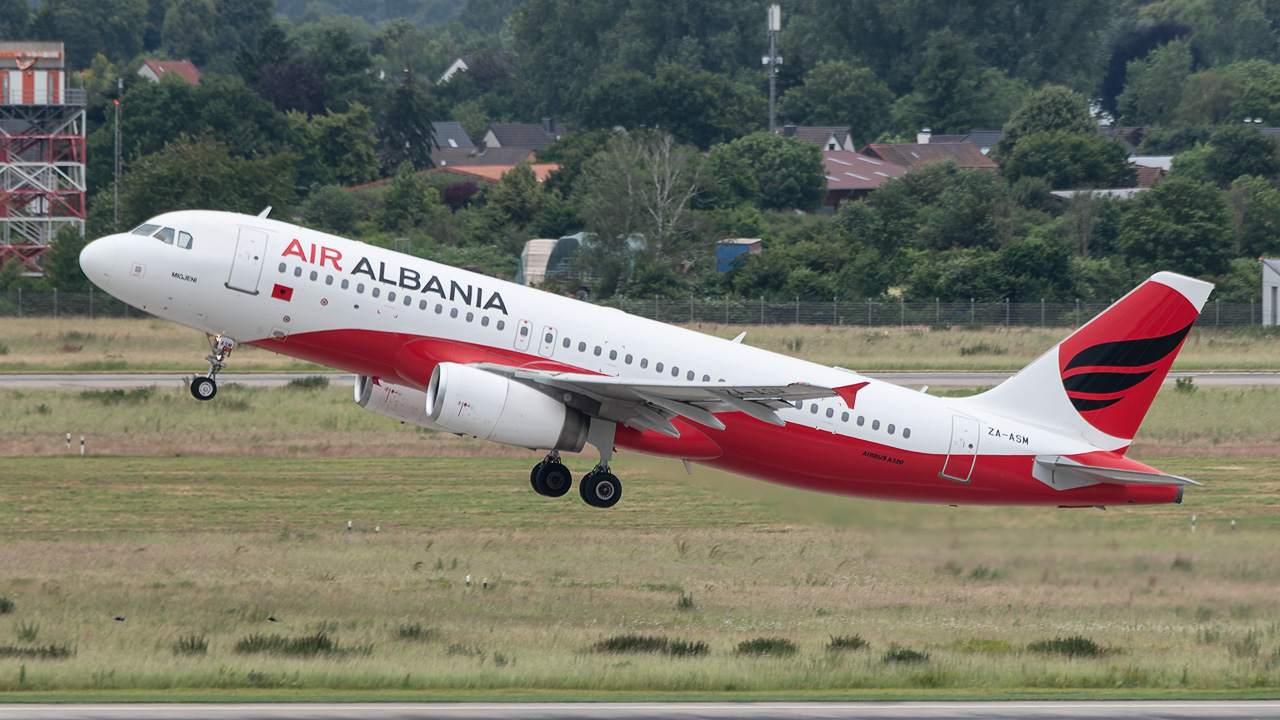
(533, 477)
(555, 479)
(600, 489)
(203, 388)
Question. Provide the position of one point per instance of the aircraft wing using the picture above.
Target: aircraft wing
(651, 404)
(1066, 472)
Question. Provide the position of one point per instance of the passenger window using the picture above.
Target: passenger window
(549, 338)
(890, 428)
(501, 324)
(524, 329)
(658, 367)
(799, 405)
(439, 308)
(597, 351)
(422, 304)
(145, 230)
(184, 240)
(484, 321)
(471, 316)
(644, 363)
(627, 359)
(613, 354)
(297, 272)
(360, 288)
(875, 424)
(328, 279)
(282, 267)
(314, 275)
(844, 417)
(582, 347)
(408, 301)
(165, 236)
(906, 433)
(391, 296)
(706, 378)
(831, 412)
(689, 376)
(567, 342)
(453, 313)
(814, 408)
(861, 420)
(376, 291)
(346, 284)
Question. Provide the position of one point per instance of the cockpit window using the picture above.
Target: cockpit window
(165, 236)
(145, 230)
(184, 240)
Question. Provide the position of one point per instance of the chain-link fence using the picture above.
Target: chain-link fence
(736, 312)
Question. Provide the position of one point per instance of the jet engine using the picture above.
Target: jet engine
(406, 404)
(464, 399)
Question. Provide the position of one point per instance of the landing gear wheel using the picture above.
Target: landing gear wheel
(554, 479)
(533, 476)
(203, 388)
(600, 488)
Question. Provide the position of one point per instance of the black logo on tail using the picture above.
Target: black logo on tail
(1114, 368)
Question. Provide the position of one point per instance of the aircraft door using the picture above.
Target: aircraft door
(524, 333)
(963, 450)
(246, 266)
(548, 345)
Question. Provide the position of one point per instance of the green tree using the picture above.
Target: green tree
(61, 262)
(203, 174)
(945, 95)
(344, 144)
(1069, 160)
(768, 171)
(1155, 84)
(409, 202)
(113, 28)
(188, 30)
(15, 17)
(330, 208)
(1052, 108)
(1253, 204)
(1208, 98)
(1238, 150)
(1178, 225)
(405, 132)
(837, 93)
(1222, 32)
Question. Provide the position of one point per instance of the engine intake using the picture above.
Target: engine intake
(406, 404)
(467, 400)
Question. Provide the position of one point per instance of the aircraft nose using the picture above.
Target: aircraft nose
(98, 260)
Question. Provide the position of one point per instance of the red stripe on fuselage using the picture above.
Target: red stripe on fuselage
(794, 455)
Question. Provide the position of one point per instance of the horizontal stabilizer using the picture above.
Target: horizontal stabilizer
(1066, 473)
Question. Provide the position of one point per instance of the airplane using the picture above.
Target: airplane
(455, 351)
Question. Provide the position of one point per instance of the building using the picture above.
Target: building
(531, 136)
(825, 137)
(1271, 293)
(914, 156)
(153, 70)
(42, 151)
(729, 251)
(493, 173)
(498, 62)
(450, 135)
(480, 155)
(984, 140)
(852, 176)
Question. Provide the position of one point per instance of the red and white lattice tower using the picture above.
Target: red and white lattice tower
(42, 131)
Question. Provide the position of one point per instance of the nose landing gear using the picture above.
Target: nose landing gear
(204, 388)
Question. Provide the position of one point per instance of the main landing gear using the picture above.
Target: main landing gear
(598, 488)
(204, 388)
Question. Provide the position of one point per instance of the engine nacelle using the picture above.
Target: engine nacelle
(464, 399)
(406, 404)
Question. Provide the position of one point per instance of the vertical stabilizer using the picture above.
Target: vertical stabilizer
(1101, 380)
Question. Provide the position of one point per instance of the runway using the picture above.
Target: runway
(124, 381)
(1105, 710)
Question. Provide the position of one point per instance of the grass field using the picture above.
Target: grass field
(199, 524)
(140, 344)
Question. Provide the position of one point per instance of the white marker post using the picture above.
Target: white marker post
(68, 442)
(81, 446)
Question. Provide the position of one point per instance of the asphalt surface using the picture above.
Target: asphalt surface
(105, 381)
(1165, 710)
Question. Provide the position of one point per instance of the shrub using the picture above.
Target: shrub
(415, 632)
(1075, 646)
(4, 349)
(844, 643)
(899, 654)
(311, 382)
(1184, 385)
(982, 348)
(651, 644)
(1182, 562)
(303, 646)
(984, 645)
(685, 603)
(777, 647)
(191, 645)
(6, 606)
(28, 633)
(48, 652)
(136, 396)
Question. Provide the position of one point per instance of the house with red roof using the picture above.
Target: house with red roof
(153, 70)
